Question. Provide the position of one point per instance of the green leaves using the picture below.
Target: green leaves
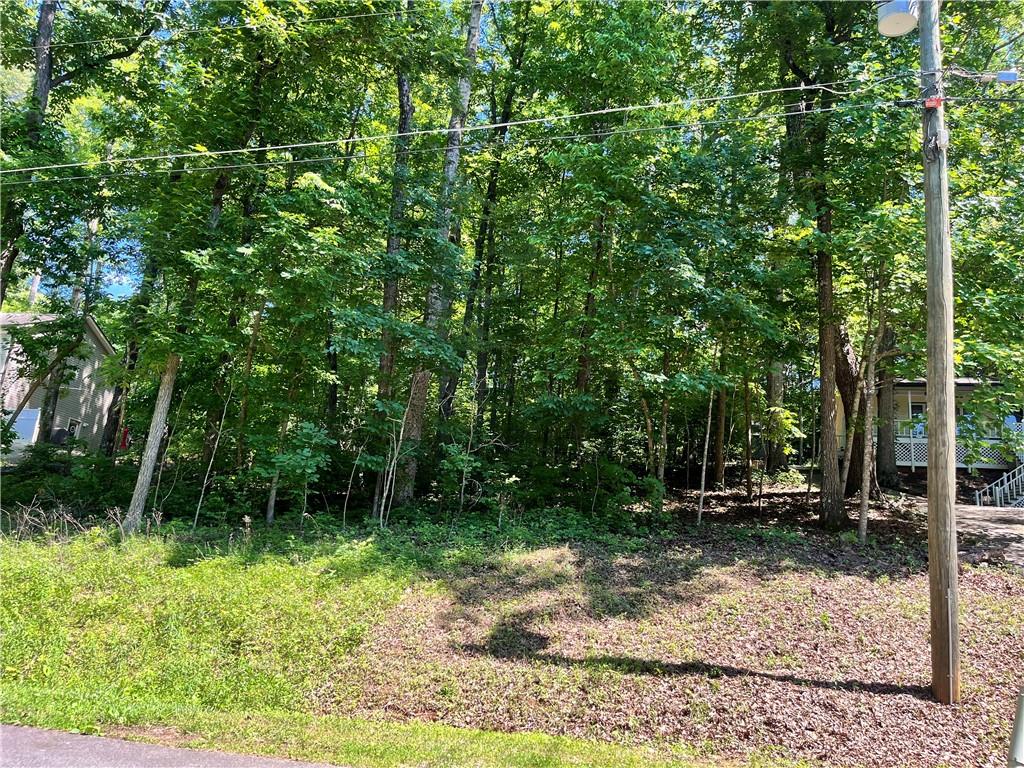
(600, 262)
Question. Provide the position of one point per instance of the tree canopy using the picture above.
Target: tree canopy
(497, 255)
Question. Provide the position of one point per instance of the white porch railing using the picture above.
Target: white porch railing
(1007, 491)
(911, 447)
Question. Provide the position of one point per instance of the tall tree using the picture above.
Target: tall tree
(438, 296)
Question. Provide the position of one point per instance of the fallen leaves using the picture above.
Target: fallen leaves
(733, 636)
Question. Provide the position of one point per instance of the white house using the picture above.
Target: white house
(991, 447)
(83, 402)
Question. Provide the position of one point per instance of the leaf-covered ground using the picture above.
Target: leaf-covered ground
(733, 639)
(754, 640)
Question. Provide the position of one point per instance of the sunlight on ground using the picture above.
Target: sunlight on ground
(728, 642)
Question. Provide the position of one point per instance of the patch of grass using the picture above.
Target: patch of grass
(241, 639)
(355, 742)
(1000, 612)
(235, 627)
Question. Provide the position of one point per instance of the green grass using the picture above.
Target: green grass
(221, 640)
(342, 740)
(235, 628)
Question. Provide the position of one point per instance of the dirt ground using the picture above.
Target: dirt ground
(766, 638)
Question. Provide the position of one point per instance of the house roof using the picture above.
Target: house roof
(101, 337)
(25, 318)
(33, 318)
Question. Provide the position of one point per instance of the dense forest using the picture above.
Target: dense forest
(433, 258)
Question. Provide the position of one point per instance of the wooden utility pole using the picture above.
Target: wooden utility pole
(942, 550)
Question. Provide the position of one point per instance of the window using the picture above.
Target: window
(74, 427)
(25, 424)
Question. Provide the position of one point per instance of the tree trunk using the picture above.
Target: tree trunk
(704, 459)
(747, 458)
(48, 408)
(11, 225)
(159, 418)
(157, 425)
(214, 415)
(272, 497)
(396, 222)
(663, 440)
(886, 470)
(805, 157)
(243, 405)
(720, 440)
(854, 436)
(849, 380)
(483, 247)
(833, 514)
(590, 309)
(44, 67)
(33, 288)
(663, 431)
(136, 314)
(869, 445)
(775, 460)
(437, 300)
(331, 402)
(275, 482)
(483, 349)
(112, 423)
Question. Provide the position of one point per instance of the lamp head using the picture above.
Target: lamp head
(897, 17)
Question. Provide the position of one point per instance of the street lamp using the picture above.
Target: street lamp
(895, 18)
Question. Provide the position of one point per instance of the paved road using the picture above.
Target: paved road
(22, 747)
(1001, 527)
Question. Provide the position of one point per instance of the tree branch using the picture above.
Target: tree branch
(124, 53)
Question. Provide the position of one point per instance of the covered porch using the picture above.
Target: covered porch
(977, 448)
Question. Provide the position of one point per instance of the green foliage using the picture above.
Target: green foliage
(302, 457)
(791, 478)
(781, 426)
(85, 484)
(609, 270)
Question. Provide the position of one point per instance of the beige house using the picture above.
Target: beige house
(911, 435)
(83, 402)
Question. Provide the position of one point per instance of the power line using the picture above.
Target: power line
(984, 99)
(527, 141)
(467, 129)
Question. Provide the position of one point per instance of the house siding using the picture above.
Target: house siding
(86, 398)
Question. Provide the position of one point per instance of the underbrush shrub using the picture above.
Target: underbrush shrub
(789, 478)
(84, 484)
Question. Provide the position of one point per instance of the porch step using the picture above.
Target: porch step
(1007, 491)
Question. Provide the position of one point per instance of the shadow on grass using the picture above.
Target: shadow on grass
(617, 575)
(687, 565)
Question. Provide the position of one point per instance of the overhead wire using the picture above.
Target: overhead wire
(464, 129)
(984, 99)
(526, 141)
